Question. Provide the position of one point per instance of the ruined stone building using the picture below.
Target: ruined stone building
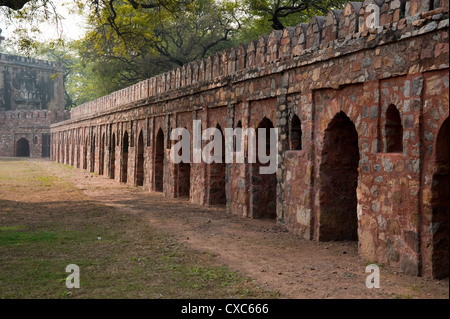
(31, 98)
(362, 113)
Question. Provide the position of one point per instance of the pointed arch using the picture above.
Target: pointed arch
(79, 147)
(217, 175)
(338, 180)
(440, 204)
(124, 166)
(112, 157)
(183, 178)
(236, 143)
(86, 143)
(393, 130)
(101, 158)
(23, 148)
(140, 160)
(295, 134)
(66, 148)
(92, 163)
(263, 188)
(72, 148)
(159, 162)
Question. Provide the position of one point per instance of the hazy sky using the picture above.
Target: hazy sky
(72, 26)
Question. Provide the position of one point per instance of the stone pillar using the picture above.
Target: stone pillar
(282, 125)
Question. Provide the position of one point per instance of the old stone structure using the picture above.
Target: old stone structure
(31, 98)
(362, 113)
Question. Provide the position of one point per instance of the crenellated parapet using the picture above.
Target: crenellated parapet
(322, 36)
(314, 32)
(349, 20)
(331, 26)
(32, 115)
(8, 59)
(286, 45)
(359, 98)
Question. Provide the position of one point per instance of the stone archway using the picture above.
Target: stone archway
(440, 204)
(72, 150)
(338, 181)
(23, 148)
(92, 165)
(112, 157)
(85, 153)
(263, 189)
(140, 161)
(393, 130)
(78, 151)
(217, 175)
(159, 161)
(124, 168)
(183, 178)
(101, 157)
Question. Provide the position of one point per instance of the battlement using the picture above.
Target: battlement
(359, 98)
(359, 25)
(33, 115)
(28, 62)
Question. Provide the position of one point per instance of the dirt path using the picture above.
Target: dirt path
(294, 267)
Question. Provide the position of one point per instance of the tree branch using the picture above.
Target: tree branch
(14, 4)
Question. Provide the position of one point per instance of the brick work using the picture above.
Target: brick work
(31, 98)
(362, 116)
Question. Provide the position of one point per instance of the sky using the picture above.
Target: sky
(71, 28)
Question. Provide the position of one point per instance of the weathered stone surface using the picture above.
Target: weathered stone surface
(31, 98)
(409, 265)
(412, 240)
(392, 252)
(369, 111)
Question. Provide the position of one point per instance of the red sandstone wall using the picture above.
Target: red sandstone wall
(30, 125)
(435, 112)
(333, 64)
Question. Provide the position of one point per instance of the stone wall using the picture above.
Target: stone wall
(31, 98)
(358, 111)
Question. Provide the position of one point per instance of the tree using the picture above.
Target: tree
(134, 42)
(180, 31)
(14, 4)
(80, 83)
(131, 40)
(280, 12)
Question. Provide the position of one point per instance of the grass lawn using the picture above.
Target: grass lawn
(47, 224)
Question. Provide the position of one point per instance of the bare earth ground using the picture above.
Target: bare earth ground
(281, 262)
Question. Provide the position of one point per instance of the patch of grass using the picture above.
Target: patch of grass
(14, 236)
(69, 167)
(9, 228)
(47, 181)
(416, 287)
(222, 275)
(202, 280)
(131, 260)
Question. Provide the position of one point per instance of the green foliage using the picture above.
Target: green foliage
(128, 41)
(127, 45)
(47, 181)
(81, 83)
(27, 23)
(14, 236)
(283, 13)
